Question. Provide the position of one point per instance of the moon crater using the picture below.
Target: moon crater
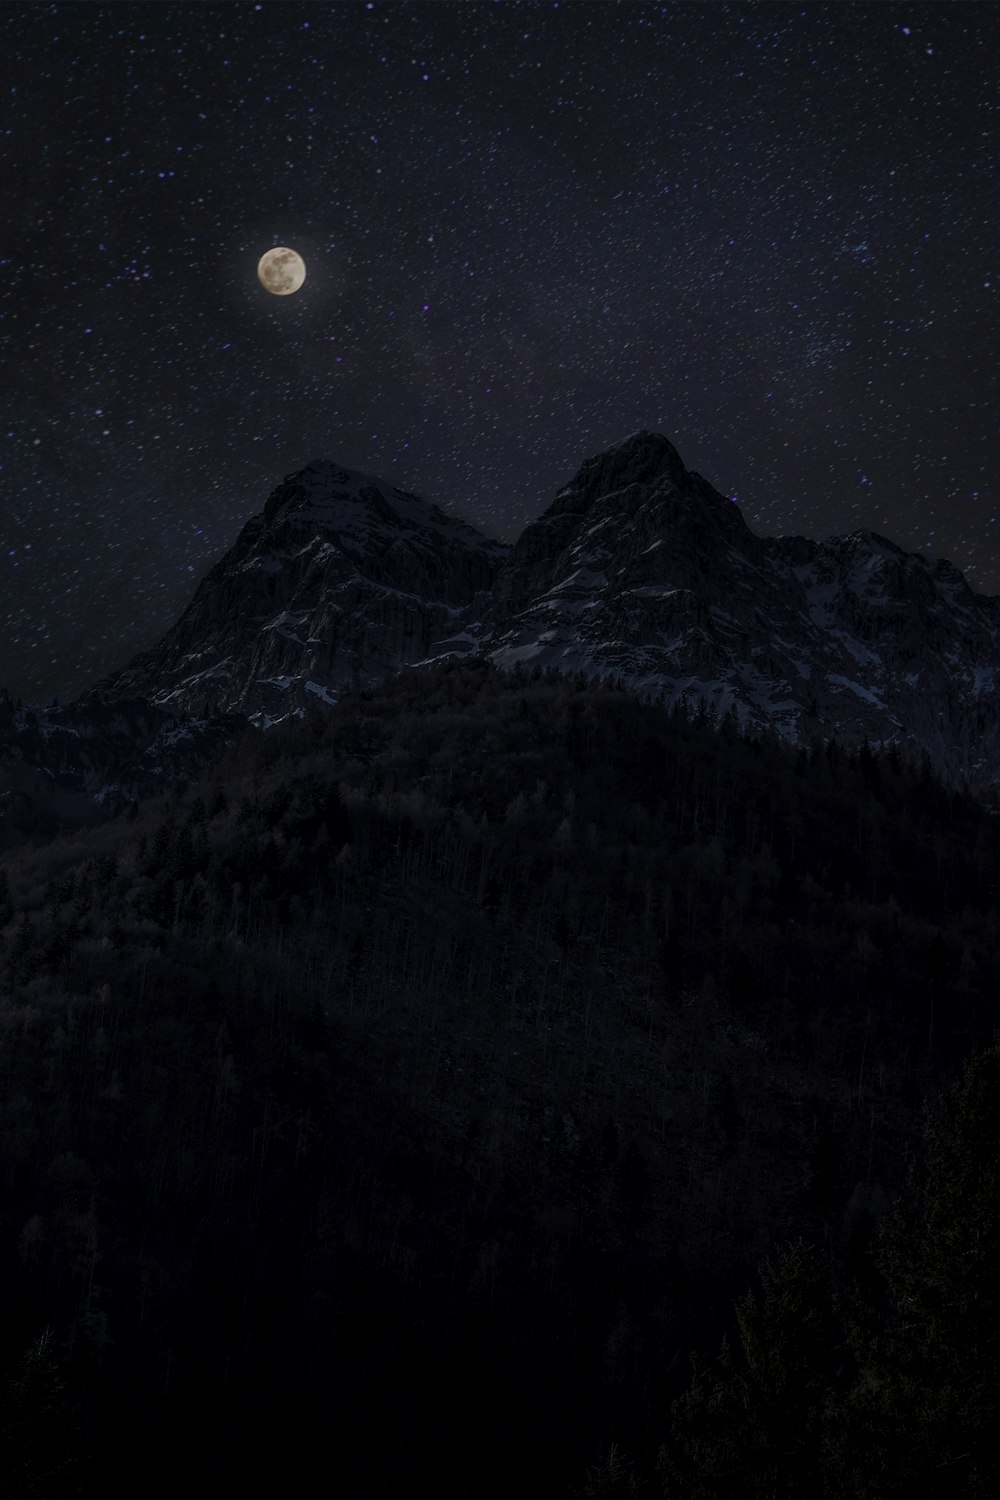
(281, 271)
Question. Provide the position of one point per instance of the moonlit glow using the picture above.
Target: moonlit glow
(281, 271)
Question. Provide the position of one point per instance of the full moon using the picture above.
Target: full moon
(281, 271)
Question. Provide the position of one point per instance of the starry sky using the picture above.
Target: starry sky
(769, 231)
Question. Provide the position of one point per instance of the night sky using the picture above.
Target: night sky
(769, 231)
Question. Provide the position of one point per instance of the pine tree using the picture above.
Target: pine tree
(612, 1479)
(754, 1422)
(39, 1452)
(939, 1379)
(890, 1388)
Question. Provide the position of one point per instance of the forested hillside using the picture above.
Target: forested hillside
(413, 1094)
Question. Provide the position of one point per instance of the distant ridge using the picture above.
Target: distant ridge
(638, 569)
(341, 580)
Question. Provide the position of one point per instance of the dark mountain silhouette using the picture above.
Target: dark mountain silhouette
(415, 1091)
(404, 1092)
(74, 764)
(341, 580)
(638, 570)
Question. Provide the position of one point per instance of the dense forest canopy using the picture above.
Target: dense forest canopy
(417, 1090)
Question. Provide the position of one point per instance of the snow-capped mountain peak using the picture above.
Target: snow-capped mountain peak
(637, 570)
(341, 579)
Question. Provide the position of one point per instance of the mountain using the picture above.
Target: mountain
(417, 1090)
(641, 570)
(340, 581)
(638, 570)
(73, 764)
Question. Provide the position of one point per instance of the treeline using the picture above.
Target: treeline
(425, 1083)
(874, 1379)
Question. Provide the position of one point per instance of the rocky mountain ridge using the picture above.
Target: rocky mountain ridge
(638, 570)
(340, 581)
(69, 765)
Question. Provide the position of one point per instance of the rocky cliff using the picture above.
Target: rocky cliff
(341, 580)
(67, 766)
(641, 570)
(638, 570)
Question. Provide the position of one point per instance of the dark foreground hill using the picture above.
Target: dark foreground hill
(410, 1097)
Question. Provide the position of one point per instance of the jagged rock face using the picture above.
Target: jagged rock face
(596, 545)
(639, 569)
(62, 768)
(341, 581)
(612, 485)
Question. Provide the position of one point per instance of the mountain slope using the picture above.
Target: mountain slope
(341, 580)
(638, 570)
(67, 766)
(641, 570)
(420, 1086)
